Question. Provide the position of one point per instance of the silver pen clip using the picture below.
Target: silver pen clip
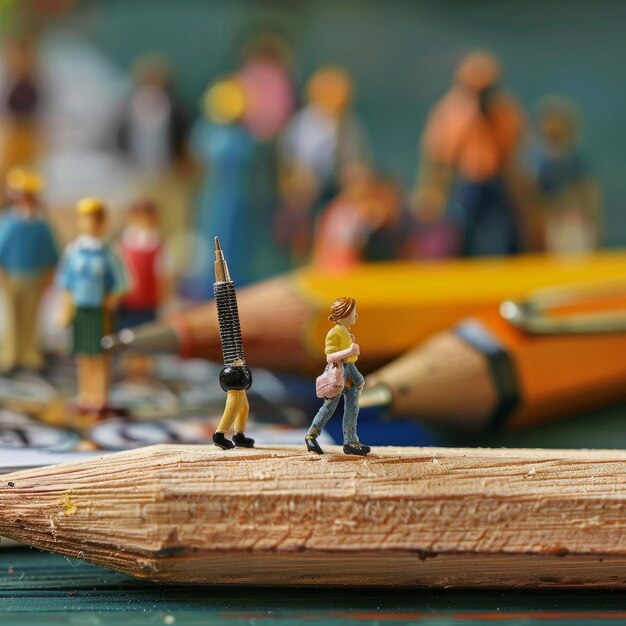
(533, 314)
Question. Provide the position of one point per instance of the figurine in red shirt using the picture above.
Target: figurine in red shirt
(142, 249)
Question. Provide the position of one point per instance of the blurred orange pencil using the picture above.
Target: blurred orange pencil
(488, 372)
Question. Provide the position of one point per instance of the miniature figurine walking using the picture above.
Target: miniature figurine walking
(93, 280)
(235, 377)
(341, 350)
(28, 256)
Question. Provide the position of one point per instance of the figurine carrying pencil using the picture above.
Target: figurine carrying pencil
(235, 378)
(341, 377)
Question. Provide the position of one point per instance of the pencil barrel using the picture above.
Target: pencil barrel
(280, 516)
(228, 319)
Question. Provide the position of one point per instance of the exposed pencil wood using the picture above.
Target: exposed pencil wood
(280, 516)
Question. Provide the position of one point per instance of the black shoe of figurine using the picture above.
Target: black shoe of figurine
(312, 445)
(356, 448)
(221, 442)
(241, 441)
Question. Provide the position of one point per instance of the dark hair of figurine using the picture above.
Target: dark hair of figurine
(340, 308)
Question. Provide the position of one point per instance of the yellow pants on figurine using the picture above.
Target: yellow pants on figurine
(20, 344)
(235, 412)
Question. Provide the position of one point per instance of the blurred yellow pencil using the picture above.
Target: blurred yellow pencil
(284, 320)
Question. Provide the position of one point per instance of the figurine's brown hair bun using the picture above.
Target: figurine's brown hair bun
(340, 308)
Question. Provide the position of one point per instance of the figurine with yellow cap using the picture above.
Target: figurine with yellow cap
(93, 280)
(323, 148)
(223, 145)
(28, 257)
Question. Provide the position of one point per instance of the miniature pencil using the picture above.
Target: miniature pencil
(281, 516)
(235, 377)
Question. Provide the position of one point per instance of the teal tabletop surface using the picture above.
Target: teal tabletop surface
(44, 589)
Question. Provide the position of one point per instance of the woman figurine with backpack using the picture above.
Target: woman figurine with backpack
(341, 377)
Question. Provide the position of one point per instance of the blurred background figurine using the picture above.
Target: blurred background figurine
(266, 76)
(362, 223)
(224, 147)
(28, 257)
(322, 148)
(570, 212)
(153, 131)
(19, 105)
(93, 280)
(265, 72)
(154, 124)
(144, 255)
(468, 159)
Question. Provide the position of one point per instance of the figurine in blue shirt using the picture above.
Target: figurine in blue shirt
(28, 257)
(221, 142)
(93, 280)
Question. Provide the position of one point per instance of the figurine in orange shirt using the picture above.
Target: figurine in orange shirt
(468, 157)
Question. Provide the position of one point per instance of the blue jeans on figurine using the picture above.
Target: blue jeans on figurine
(353, 384)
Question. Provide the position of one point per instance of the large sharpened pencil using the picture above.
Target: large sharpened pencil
(487, 374)
(280, 516)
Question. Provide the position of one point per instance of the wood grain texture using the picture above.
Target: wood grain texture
(280, 516)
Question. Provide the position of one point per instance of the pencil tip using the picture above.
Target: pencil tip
(377, 395)
(218, 246)
(117, 341)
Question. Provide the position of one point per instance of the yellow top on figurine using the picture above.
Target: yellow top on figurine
(337, 339)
